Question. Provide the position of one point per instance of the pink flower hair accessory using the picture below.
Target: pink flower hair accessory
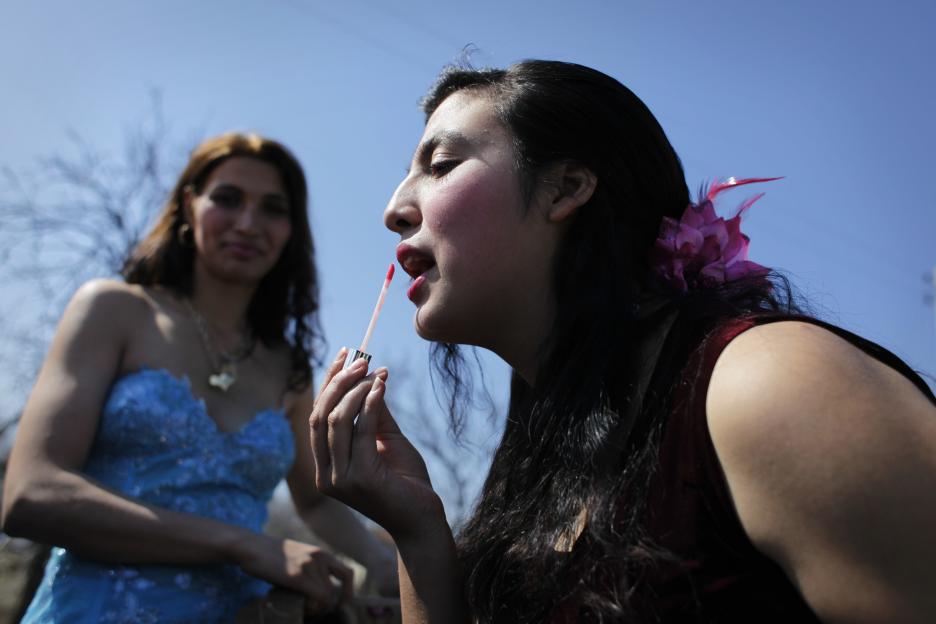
(702, 249)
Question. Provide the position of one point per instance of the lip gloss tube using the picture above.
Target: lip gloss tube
(361, 352)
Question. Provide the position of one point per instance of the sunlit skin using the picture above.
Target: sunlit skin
(470, 238)
(240, 221)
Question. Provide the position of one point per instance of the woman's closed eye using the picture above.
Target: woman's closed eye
(439, 168)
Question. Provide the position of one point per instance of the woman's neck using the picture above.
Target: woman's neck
(525, 345)
(223, 303)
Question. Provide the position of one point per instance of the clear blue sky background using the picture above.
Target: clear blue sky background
(837, 96)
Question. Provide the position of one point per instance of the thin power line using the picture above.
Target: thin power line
(411, 22)
(374, 42)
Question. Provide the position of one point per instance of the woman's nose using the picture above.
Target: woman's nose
(247, 217)
(402, 212)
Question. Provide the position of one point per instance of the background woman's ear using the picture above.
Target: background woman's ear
(567, 185)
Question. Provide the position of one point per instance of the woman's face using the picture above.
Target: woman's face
(479, 255)
(241, 220)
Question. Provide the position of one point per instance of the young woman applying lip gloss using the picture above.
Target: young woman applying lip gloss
(682, 445)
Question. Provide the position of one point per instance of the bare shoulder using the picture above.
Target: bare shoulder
(830, 458)
(101, 316)
(110, 299)
(795, 376)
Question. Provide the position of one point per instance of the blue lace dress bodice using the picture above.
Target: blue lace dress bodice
(157, 443)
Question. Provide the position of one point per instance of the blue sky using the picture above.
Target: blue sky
(836, 96)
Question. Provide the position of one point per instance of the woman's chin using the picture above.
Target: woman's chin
(422, 330)
(439, 328)
(429, 325)
(239, 274)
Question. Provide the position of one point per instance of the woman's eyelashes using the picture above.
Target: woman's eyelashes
(227, 198)
(231, 198)
(440, 167)
(276, 208)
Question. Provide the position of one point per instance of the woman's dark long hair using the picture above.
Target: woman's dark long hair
(584, 439)
(285, 305)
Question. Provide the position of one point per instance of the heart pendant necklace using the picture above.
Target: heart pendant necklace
(223, 363)
(225, 379)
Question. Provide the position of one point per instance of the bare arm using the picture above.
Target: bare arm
(47, 498)
(830, 457)
(372, 467)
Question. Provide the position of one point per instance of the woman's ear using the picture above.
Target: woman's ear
(565, 187)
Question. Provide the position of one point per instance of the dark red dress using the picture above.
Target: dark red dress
(720, 577)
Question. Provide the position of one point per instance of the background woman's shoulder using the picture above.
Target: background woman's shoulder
(109, 302)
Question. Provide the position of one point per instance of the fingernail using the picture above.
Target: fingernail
(342, 353)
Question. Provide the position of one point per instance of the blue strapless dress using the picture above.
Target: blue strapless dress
(156, 443)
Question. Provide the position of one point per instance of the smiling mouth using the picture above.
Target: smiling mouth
(241, 249)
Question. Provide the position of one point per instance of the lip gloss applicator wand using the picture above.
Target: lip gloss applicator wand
(361, 352)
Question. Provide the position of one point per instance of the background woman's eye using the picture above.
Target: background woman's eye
(226, 199)
(441, 167)
(276, 208)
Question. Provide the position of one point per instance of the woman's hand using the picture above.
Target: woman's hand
(317, 574)
(370, 465)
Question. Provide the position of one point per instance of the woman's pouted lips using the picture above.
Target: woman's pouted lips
(415, 263)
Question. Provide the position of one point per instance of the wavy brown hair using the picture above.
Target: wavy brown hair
(284, 307)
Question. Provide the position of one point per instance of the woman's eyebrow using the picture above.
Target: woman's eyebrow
(233, 186)
(446, 137)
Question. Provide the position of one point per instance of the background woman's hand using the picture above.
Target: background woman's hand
(317, 574)
(369, 465)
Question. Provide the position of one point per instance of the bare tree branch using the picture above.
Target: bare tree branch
(71, 217)
(454, 461)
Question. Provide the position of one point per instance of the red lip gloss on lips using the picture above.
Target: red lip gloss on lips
(361, 352)
(411, 291)
(416, 263)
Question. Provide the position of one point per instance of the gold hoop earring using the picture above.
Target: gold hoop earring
(184, 235)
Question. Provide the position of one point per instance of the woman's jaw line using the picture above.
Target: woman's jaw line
(523, 356)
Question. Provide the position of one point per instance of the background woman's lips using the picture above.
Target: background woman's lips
(243, 251)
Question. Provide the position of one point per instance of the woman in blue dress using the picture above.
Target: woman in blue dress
(172, 403)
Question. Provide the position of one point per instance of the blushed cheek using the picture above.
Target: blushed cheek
(474, 216)
(211, 224)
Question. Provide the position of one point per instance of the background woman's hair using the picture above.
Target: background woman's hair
(285, 304)
(570, 444)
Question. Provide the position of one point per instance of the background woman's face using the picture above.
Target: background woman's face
(474, 247)
(241, 220)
